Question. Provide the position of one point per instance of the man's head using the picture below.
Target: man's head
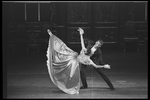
(99, 43)
(88, 42)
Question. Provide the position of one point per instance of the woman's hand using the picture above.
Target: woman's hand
(81, 31)
(107, 66)
(103, 66)
(49, 32)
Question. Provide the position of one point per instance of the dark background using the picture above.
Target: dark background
(25, 39)
(98, 19)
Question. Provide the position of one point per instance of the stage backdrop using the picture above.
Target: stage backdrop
(99, 20)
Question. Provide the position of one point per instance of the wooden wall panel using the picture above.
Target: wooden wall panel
(139, 11)
(107, 34)
(105, 24)
(32, 12)
(47, 12)
(78, 13)
(105, 12)
(105, 19)
(74, 35)
(19, 12)
(134, 11)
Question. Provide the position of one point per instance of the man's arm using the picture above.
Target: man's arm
(97, 57)
(101, 62)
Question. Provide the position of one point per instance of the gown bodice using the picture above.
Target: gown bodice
(82, 58)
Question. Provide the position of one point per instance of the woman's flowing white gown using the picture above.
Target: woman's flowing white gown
(63, 66)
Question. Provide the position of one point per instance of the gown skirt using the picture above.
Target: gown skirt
(63, 66)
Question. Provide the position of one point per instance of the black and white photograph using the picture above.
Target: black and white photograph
(75, 49)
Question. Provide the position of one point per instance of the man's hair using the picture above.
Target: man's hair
(88, 41)
(101, 41)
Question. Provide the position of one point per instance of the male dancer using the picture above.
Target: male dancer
(94, 50)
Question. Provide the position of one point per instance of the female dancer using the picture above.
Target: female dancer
(63, 64)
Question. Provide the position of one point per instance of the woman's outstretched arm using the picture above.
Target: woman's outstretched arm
(98, 66)
(81, 38)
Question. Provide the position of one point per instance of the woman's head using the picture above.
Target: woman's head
(99, 43)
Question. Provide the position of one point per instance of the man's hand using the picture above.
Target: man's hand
(87, 63)
(81, 31)
(107, 66)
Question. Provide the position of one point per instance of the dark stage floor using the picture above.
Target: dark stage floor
(27, 77)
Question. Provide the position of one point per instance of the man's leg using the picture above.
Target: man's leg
(82, 75)
(100, 71)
